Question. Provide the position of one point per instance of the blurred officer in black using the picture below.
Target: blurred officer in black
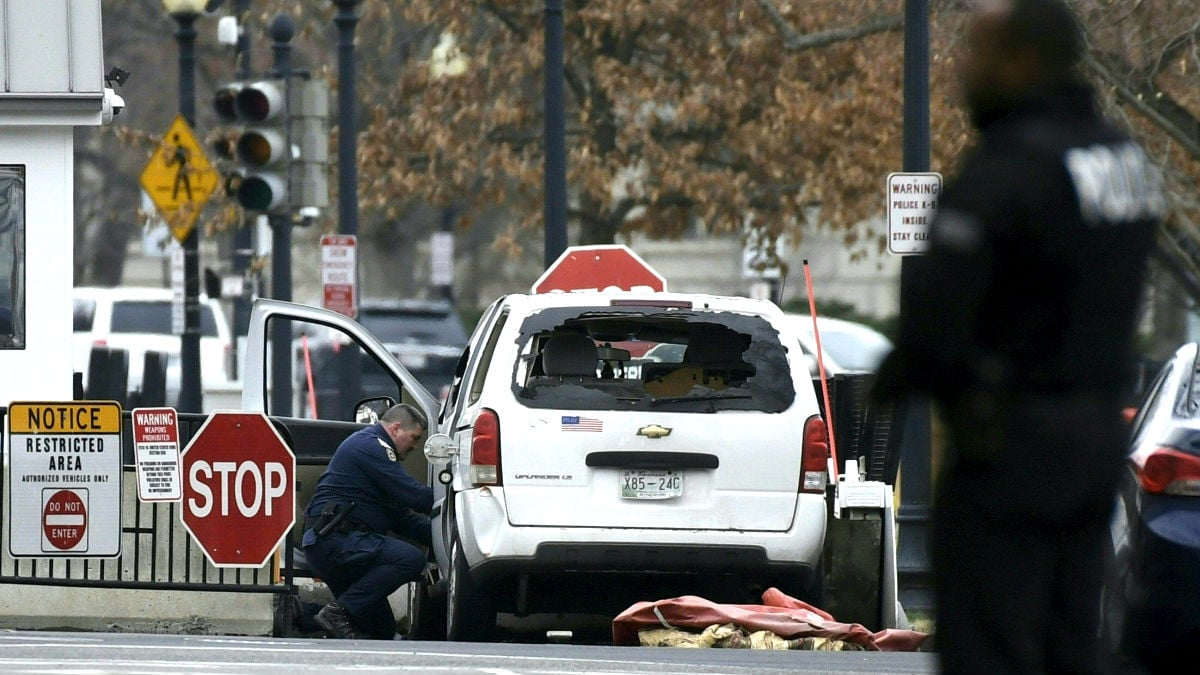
(1019, 323)
(363, 494)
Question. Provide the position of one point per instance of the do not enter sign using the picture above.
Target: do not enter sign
(238, 495)
(64, 520)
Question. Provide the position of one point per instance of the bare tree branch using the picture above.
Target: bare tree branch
(1158, 107)
(794, 41)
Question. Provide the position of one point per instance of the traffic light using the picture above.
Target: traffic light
(310, 140)
(262, 147)
(224, 140)
(282, 151)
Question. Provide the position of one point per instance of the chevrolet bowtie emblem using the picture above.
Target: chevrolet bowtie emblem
(654, 431)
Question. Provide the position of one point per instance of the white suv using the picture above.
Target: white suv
(581, 476)
(138, 320)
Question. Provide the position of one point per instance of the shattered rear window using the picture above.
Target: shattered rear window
(651, 358)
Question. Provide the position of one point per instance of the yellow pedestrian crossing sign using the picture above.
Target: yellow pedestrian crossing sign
(179, 179)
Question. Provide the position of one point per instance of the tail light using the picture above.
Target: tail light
(815, 461)
(485, 449)
(1166, 471)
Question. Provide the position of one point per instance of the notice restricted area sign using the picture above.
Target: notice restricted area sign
(65, 469)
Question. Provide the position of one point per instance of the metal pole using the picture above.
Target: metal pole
(912, 555)
(554, 137)
(346, 19)
(282, 29)
(243, 242)
(191, 397)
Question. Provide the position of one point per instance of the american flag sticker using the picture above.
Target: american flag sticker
(580, 423)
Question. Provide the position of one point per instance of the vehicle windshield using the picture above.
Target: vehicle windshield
(154, 317)
(643, 358)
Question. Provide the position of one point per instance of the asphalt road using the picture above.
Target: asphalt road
(140, 654)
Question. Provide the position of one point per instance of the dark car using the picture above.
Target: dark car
(1151, 608)
(426, 336)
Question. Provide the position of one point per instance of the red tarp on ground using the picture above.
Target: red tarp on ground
(780, 613)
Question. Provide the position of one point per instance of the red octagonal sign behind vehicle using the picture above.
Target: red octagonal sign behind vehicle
(598, 267)
(238, 497)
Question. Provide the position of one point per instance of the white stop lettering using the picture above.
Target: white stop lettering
(266, 485)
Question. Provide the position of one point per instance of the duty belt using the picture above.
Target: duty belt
(335, 518)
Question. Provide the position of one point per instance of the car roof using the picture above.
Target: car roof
(405, 305)
(126, 293)
(593, 298)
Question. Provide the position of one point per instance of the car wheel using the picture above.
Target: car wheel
(426, 614)
(470, 615)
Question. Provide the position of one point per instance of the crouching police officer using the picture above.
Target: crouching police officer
(363, 494)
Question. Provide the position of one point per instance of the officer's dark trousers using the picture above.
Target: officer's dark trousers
(1019, 541)
(362, 569)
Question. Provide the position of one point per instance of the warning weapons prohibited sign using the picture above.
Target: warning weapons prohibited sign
(65, 469)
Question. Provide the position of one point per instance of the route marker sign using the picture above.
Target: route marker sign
(65, 478)
(179, 178)
(239, 489)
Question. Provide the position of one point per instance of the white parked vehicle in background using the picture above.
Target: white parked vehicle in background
(847, 346)
(138, 320)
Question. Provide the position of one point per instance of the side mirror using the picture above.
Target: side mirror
(439, 449)
(369, 410)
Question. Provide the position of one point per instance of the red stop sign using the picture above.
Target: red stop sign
(238, 489)
(599, 267)
(64, 520)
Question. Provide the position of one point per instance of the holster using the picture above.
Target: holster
(333, 518)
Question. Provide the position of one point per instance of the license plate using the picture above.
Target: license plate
(649, 484)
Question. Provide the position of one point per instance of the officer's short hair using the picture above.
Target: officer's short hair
(407, 415)
(1049, 28)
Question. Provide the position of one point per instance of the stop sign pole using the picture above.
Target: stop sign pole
(238, 489)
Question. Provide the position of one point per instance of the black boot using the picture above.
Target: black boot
(336, 621)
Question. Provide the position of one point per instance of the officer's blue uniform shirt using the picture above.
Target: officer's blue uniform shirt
(366, 470)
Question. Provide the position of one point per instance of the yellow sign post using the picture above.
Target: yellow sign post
(179, 178)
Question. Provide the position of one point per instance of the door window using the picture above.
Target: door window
(12, 257)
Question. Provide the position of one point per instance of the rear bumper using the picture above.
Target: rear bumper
(587, 558)
(495, 549)
(1162, 580)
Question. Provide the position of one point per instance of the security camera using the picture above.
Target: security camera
(111, 107)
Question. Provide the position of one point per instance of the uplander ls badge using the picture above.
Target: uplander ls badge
(654, 431)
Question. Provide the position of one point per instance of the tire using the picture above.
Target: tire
(470, 615)
(426, 614)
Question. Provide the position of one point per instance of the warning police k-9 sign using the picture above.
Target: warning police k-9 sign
(65, 470)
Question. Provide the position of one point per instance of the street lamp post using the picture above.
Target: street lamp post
(346, 19)
(185, 13)
(554, 136)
